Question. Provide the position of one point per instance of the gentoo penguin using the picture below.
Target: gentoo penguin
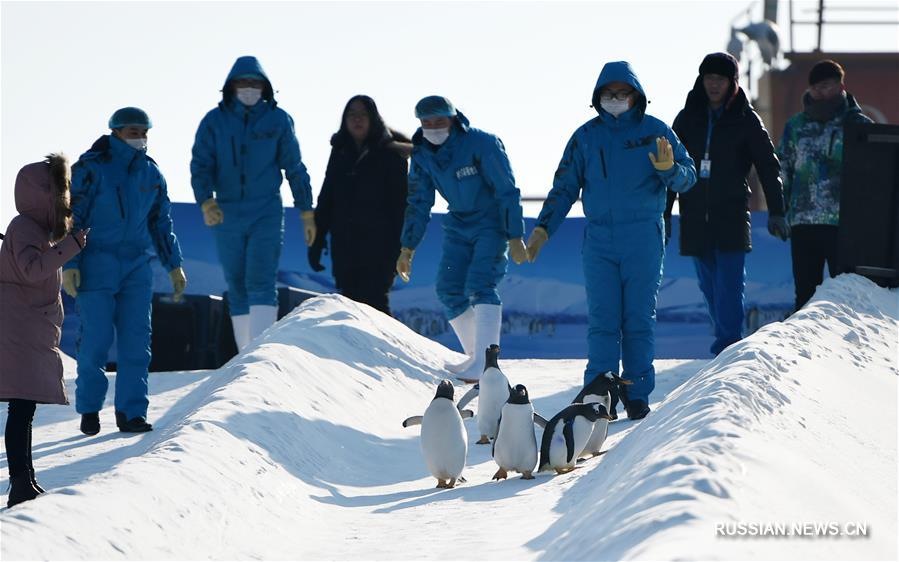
(444, 441)
(566, 434)
(515, 447)
(493, 392)
(598, 391)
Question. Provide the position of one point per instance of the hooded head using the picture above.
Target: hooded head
(620, 71)
(42, 194)
(247, 67)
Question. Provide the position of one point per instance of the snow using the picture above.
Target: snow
(295, 450)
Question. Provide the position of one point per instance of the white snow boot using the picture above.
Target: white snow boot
(463, 326)
(261, 317)
(488, 321)
(241, 326)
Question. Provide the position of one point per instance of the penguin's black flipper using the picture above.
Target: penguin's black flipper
(545, 441)
(469, 396)
(568, 432)
(539, 420)
(466, 414)
(493, 445)
(414, 420)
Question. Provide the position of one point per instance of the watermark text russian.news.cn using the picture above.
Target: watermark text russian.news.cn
(793, 529)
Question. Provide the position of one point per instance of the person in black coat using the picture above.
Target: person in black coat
(362, 204)
(725, 137)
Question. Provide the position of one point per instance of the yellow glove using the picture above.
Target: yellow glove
(665, 160)
(308, 218)
(517, 250)
(404, 263)
(71, 280)
(212, 214)
(536, 240)
(179, 283)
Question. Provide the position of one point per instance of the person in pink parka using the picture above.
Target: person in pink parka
(37, 243)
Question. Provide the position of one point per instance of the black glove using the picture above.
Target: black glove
(778, 227)
(314, 253)
(667, 230)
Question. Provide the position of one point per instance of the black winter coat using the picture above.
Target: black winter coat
(362, 204)
(715, 213)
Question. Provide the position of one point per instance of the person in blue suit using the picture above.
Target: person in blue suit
(610, 162)
(240, 150)
(470, 169)
(120, 195)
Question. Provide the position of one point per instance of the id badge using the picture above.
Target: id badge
(705, 168)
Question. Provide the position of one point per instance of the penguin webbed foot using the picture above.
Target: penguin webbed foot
(451, 483)
(501, 474)
(527, 475)
(484, 440)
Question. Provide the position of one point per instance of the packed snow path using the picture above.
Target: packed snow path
(295, 450)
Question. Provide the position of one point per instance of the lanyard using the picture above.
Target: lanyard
(708, 136)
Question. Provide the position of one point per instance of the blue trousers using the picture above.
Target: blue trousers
(116, 293)
(249, 244)
(722, 279)
(622, 274)
(471, 267)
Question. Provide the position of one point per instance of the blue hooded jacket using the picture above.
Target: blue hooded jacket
(608, 159)
(239, 151)
(472, 172)
(121, 195)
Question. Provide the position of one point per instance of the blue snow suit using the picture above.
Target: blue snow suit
(472, 172)
(238, 155)
(606, 162)
(121, 195)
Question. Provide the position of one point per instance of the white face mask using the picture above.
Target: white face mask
(436, 136)
(249, 96)
(137, 144)
(615, 107)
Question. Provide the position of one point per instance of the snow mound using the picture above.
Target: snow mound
(795, 424)
(295, 450)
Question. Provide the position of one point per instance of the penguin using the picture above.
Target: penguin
(598, 391)
(566, 434)
(515, 446)
(444, 441)
(475, 390)
(493, 392)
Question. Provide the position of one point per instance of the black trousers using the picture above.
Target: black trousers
(18, 436)
(811, 245)
(369, 285)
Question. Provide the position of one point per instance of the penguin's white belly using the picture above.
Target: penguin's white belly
(600, 428)
(597, 437)
(516, 445)
(444, 441)
(558, 451)
(494, 391)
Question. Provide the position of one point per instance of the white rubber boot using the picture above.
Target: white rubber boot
(488, 321)
(463, 326)
(241, 326)
(261, 317)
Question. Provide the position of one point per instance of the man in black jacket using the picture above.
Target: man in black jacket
(724, 136)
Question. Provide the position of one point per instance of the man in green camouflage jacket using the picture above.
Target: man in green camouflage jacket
(811, 157)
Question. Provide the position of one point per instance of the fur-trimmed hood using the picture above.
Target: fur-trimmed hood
(38, 187)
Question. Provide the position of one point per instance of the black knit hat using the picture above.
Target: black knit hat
(825, 69)
(720, 63)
